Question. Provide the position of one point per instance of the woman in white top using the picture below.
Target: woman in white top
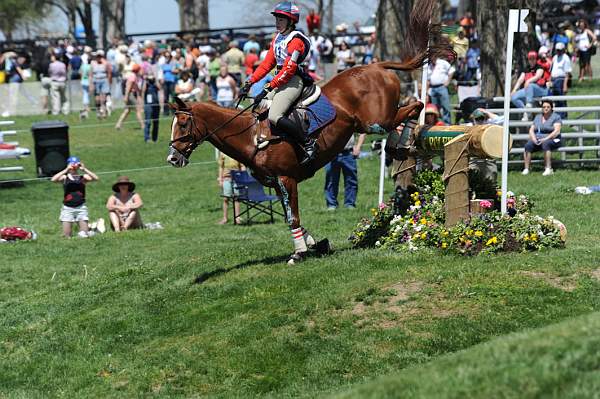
(226, 88)
(585, 40)
(345, 57)
(185, 87)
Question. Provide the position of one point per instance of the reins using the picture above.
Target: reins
(190, 134)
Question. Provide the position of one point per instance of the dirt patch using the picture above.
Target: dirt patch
(596, 274)
(391, 306)
(401, 292)
(567, 283)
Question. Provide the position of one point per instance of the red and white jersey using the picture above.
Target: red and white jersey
(286, 52)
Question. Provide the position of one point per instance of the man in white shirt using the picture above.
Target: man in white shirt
(561, 68)
(440, 75)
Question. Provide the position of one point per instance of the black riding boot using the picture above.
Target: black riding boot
(293, 130)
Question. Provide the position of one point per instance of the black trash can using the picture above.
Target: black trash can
(51, 139)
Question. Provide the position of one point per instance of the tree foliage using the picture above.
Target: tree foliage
(14, 14)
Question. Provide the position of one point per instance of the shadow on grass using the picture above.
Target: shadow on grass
(322, 248)
(271, 260)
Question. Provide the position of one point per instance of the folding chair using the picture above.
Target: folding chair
(249, 192)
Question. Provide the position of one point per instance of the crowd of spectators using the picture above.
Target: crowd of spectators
(180, 68)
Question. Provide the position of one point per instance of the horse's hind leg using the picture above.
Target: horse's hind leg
(288, 190)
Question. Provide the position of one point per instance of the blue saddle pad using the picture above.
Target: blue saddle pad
(320, 114)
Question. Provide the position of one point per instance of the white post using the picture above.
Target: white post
(382, 171)
(424, 92)
(516, 24)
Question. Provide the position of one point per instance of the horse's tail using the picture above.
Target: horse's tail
(439, 49)
(424, 40)
(408, 65)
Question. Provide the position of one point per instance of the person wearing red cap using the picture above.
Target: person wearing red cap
(432, 116)
(533, 80)
(133, 98)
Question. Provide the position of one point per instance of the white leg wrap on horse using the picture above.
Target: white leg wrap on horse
(298, 239)
(308, 239)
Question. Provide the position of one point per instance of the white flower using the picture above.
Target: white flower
(396, 219)
(377, 243)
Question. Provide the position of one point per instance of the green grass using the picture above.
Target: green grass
(119, 315)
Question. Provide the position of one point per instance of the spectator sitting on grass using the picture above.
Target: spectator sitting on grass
(74, 209)
(123, 206)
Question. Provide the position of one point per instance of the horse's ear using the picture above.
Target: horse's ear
(181, 105)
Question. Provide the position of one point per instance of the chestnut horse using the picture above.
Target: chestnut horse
(366, 99)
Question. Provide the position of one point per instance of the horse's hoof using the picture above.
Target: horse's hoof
(296, 257)
(323, 247)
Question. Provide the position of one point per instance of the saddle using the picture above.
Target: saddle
(312, 111)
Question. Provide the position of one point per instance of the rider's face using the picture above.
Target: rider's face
(281, 23)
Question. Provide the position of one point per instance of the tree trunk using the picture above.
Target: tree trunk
(464, 6)
(492, 25)
(193, 14)
(330, 16)
(86, 19)
(72, 16)
(392, 21)
(112, 21)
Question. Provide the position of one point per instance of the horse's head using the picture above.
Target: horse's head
(185, 136)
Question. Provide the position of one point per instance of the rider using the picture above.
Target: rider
(288, 50)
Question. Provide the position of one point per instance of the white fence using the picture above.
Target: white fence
(26, 98)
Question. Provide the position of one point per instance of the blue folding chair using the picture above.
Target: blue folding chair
(248, 191)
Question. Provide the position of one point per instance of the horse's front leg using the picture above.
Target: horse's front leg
(288, 190)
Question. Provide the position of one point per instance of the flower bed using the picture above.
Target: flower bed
(422, 225)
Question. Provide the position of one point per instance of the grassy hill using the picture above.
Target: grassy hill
(119, 315)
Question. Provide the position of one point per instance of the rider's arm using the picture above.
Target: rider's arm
(290, 65)
(265, 67)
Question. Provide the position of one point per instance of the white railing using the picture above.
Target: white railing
(15, 153)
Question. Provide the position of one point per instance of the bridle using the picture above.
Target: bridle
(191, 139)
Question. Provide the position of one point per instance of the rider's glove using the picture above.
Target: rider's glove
(262, 95)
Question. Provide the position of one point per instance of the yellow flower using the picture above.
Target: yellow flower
(417, 203)
(444, 245)
(491, 241)
(526, 237)
(423, 221)
(469, 232)
(533, 237)
(478, 233)
(445, 233)
(412, 221)
(423, 236)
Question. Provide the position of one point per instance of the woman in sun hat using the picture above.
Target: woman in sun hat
(74, 209)
(124, 206)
